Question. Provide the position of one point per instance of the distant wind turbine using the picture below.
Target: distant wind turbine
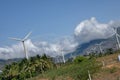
(61, 50)
(117, 37)
(118, 42)
(99, 45)
(23, 42)
(93, 49)
(72, 56)
(63, 56)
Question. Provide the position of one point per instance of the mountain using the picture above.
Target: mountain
(87, 47)
(9, 61)
(81, 49)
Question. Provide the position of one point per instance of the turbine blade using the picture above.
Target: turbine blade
(112, 34)
(27, 36)
(17, 39)
(115, 30)
(118, 35)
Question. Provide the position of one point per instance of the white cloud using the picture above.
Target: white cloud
(65, 45)
(41, 47)
(16, 50)
(91, 29)
(86, 31)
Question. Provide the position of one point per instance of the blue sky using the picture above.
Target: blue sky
(51, 18)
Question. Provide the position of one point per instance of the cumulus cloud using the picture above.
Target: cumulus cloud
(86, 31)
(65, 45)
(91, 29)
(16, 50)
(40, 47)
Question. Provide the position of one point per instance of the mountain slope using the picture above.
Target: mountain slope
(6, 62)
(87, 47)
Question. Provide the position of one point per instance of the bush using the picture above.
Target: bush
(80, 59)
(112, 70)
(75, 71)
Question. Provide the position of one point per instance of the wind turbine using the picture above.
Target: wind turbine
(57, 60)
(71, 55)
(23, 42)
(117, 37)
(63, 56)
(61, 50)
(99, 45)
(93, 49)
(88, 52)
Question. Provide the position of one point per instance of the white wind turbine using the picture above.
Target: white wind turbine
(101, 51)
(57, 57)
(23, 42)
(99, 45)
(93, 49)
(60, 49)
(72, 56)
(117, 37)
(63, 55)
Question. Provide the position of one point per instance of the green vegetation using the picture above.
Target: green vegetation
(45, 68)
(42, 68)
(72, 71)
(27, 68)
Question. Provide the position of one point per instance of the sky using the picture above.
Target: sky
(54, 22)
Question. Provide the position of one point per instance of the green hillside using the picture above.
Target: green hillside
(78, 70)
(42, 68)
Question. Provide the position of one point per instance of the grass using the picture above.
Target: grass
(78, 71)
(111, 70)
(73, 71)
(61, 73)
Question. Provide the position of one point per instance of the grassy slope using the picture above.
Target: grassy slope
(62, 73)
(74, 71)
(111, 71)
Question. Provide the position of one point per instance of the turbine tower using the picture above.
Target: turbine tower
(99, 45)
(117, 37)
(23, 42)
(63, 56)
(61, 50)
(71, 55)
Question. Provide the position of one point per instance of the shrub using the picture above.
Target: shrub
(26, 68)
(80, 59)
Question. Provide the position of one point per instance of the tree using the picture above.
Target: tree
(27, 68)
